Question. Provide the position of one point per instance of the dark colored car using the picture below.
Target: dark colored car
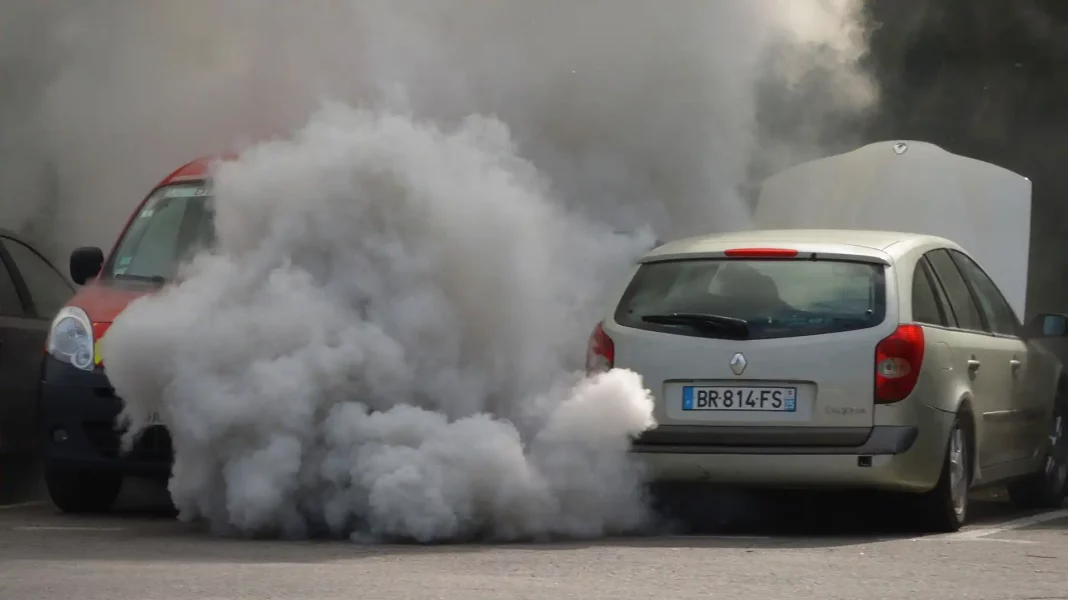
(32, 291)
(84, 464)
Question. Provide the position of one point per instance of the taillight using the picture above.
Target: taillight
(898, 359)
(600, 351)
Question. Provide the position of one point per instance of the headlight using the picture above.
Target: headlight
(71, 338)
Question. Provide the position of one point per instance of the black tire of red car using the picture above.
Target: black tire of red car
(941, 510)
(82, 491)
(1046, 487)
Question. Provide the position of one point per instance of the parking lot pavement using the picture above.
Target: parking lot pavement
(143, 552)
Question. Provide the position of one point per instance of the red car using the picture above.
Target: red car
(84, 467)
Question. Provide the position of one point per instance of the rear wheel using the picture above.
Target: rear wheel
(1046, 487)
(74, 491)
(945, 508)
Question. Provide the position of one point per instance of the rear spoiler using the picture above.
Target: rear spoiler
(864, 255)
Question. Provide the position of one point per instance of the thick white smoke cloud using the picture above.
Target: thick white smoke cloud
(378, 263)
(435, 248)
(639, 112)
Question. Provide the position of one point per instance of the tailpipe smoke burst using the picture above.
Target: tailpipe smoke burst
(382, 342)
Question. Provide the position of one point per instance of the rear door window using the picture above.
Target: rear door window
(999, 315)
(754, 299)
(960, 297)
(926, 304)
(49, 291)
(10, 302)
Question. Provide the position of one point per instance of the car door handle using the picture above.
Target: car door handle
(973, 364)
(1015, 364)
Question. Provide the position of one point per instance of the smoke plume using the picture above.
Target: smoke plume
(417, 237)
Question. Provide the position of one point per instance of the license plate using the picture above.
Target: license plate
(155, 419)
(725, 398)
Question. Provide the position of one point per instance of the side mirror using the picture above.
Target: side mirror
(85, 263)
(1049, 325)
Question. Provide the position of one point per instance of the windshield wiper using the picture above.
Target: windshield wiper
(157, 279)
(718, 324)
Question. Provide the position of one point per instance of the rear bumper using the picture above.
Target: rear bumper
(77, 412)
(902, 458)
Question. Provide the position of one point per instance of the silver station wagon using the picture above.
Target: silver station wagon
(840, 359)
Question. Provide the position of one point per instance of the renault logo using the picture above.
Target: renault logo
(738, 364)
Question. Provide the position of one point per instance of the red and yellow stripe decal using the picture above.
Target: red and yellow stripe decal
(98, 334)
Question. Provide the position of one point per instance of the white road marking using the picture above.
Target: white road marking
(983, 533)
(21, 505)
(935, 538)
(65, 529)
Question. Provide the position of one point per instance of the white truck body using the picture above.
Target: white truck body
(915, 187)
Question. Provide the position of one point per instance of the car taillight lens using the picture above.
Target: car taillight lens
(898, 359)
(600, 351)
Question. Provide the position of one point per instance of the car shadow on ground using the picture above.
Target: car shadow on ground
(711, 519)
(705, 519)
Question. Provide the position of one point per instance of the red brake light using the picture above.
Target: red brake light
(898, 359)
(761, 253)
(600, 351)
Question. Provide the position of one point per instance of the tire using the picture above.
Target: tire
(1046, 487)
(76, 492)
(944, 509)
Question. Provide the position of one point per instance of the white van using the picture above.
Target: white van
(916, 187)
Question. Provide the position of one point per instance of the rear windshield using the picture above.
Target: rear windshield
(175, 223)
(754, 299)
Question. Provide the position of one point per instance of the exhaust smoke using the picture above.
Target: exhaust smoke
(383, 341)
(388, 339)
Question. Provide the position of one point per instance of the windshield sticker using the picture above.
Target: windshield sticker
(121, 271)
(184, 191)
(125, 261)
(147, 213)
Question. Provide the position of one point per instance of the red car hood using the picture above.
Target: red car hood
(102, 301)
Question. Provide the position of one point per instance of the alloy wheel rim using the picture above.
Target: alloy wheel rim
(958, 472)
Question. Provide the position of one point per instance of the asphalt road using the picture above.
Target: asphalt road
(141, 553)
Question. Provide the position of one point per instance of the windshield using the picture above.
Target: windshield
(754, 299)
(174, 224)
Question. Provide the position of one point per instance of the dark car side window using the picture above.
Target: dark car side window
(48, 290)
(999, 315)
(926, 304)
(960, 296)
(10, 302)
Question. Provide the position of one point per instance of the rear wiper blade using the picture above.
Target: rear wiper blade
(851, 320)
(707, 322)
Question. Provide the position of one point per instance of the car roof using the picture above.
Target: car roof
(18, 238)
(863, 240)
(195, 170)
(25, 242)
